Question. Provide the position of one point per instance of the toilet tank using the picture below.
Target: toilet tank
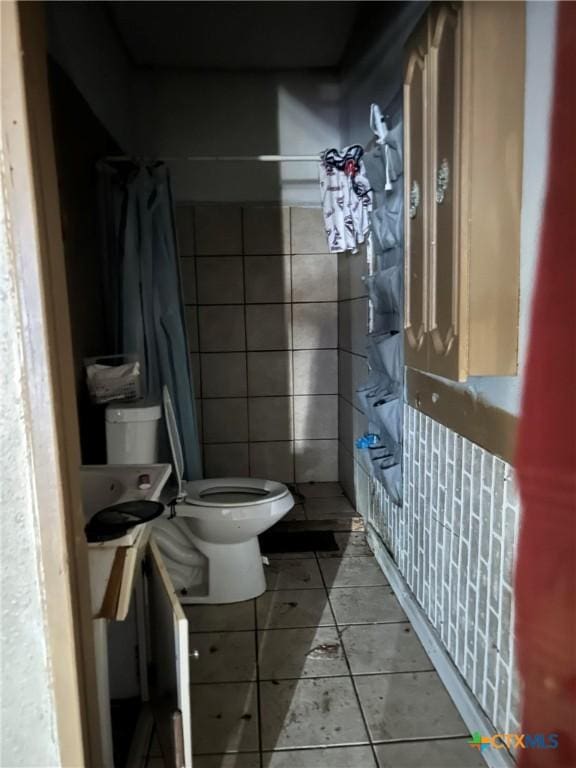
(132, 433)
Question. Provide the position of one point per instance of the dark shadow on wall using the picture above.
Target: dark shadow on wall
(79, 141)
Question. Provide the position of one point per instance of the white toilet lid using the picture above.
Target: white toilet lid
(233, 492)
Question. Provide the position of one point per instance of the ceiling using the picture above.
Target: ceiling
(235, 35)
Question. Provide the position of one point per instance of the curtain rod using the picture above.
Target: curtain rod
(233, 158)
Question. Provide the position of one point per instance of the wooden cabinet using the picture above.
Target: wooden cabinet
(463, 128)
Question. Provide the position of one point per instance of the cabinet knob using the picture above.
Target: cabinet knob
(442, 180)
(414, 199)
(195, 654)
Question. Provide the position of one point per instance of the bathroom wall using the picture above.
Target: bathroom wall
(352, 362)
(80, 140)
(84, 42)
(454, 541)
(261, 301)
(240, 114)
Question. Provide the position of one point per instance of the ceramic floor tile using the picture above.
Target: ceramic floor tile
(220, 618)
(290, 556)
(373, 648)
(240, 760)
(350, 544)
(408, 705)
(310, 713)
(320, 490)
(352, 572)
(328, 509)
(293, 574)
(224, 657)
(451, 753)
(329, 757)
(294, 653)
(361, 605)
(224, 718)
(294, 608)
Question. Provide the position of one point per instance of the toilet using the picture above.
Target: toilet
(210, 539)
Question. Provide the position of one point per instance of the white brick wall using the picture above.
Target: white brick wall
(454, 540)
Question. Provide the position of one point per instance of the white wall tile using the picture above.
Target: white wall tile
(270, 373)
(224, 374)
(315, 325)
(222, 329)
(271, 418)
(225, 420)
(308, 234)
(454, 540)
(268, 279)
(191, 319)
(273, 461)
(220, 280)
(188, 275)
(314, 277)
(226, 460)
(315, 417)
(218, 230)
(269, 326)
(266, 230)
(315, 371)
(184, 215)
(316, 461)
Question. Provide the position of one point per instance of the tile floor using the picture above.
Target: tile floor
(322, 671)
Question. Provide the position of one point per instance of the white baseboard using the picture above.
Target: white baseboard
(463, 698)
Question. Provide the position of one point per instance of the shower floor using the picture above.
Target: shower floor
(323, 670)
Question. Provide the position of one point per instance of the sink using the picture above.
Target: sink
(106, 484)
(113, 564)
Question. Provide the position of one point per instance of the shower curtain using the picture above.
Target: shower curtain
(142, 291)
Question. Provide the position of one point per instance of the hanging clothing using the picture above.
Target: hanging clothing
(142, 289)
(346, 198)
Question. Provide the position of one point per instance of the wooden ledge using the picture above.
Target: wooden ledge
(458, 409)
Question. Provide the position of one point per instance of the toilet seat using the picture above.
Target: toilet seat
(232, 492)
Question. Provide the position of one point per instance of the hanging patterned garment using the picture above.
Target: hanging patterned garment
(346, 198)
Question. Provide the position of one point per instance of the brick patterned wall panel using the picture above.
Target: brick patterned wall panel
(454, 541)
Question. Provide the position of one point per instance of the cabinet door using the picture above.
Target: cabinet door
(169, 670)
(446, 336)
(415, 198)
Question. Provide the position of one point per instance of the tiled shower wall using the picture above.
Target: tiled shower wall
(352, 362)
(261, 303)
(454, 540)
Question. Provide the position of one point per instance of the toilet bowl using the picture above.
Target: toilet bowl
(221, 518)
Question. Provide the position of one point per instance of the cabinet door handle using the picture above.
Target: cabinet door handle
(414, 199)
(442, 180)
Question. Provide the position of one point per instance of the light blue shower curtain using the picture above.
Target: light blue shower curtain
(142, 290)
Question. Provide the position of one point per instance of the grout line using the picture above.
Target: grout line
(263, 397)
(245, 350)
(300, 440)
(343, 625)
(260, 303)
(258, 696)
(200, 396)
(276, 678)
(416, 739)
(345, 655)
